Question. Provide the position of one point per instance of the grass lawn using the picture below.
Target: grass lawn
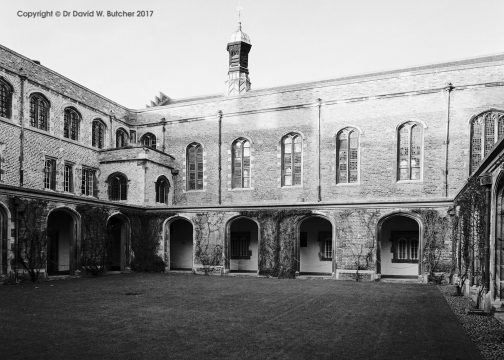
(161, 316)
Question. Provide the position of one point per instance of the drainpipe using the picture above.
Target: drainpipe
(220, 157)
(449, 88)
(486, 181)
(111, 139)
(23, 78)
(319, 186)
(163, 122)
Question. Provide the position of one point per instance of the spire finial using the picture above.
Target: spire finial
(239, 8)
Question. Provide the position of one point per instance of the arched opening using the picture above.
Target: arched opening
(243, 245)
(61, 240)
(118, 238)
(315, 246)
(3, 241)
(181, 244)
(399, 247)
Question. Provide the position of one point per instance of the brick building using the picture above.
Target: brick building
(329, 177)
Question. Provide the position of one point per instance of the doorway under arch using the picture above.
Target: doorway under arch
(315, 246)
(243, 245)
(180, 244)
(399, 247)
(3, 240)
(61, 242)
(118, 232)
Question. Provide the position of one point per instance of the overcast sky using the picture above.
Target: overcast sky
(181, 49)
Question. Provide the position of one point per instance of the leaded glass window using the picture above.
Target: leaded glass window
(347, 158)
(486, 129)
(162, 189)
(5, 99)
(68, 177)
(88, 182)
(410, 147)
(71, 124)
(50, 174)
(118, 186)
(98, 134)
(292, 154)
(121, 138)
(194, 158)
(39, 111)
(240, 162)
(149, 140)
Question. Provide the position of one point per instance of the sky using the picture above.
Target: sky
(181, 49)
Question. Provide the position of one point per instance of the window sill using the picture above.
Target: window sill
(195, 191)
(291, 186)
(404, 261)
(241, 189)
(409, 181)
(240, 257)
(348, 184)
(326, 259)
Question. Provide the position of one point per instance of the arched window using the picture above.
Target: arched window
(71, 124)
(98, 136)
(6, 91)
(409, 152)
(240, 163)
(194, 159)
(347, 156)
(292, 154)
(39, 111)
(122, 138)
(484, 135)
(162, 189)
(117, 187)
(149, 140)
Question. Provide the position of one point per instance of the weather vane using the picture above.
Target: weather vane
(239, 8)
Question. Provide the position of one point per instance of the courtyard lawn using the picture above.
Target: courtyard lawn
(161, 316)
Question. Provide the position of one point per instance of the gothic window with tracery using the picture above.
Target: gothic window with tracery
(121, 138)
(98, 134)
(162, 189)
(149, 140)
(347, 158)
(39, 111)
(292, 154)
(410, 141)
(118, 187)
(240, 163)
(6, 91)
(194, 158)
(486, 129)
(71, 124)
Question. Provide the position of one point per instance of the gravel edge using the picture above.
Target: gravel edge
(485, 331)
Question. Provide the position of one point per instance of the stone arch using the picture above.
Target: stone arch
(315, 245)
(118, 242)
(405, 229)
(178, 243)
(241, 250)
(5, 219)
(63, 240)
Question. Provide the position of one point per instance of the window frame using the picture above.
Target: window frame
(71, 123)
(151, 140)
(347, 132)
(50, 173)
(88, 181)
(68, 177)
(410, 126)
(36, 100)
(293, 136)
(117, 187)
(199, 169)
(121, 134)
(241, 181)
(498, 133)
(240, 245)
(6, 93)
(102, 134)
(411, 241)
(166, 189)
